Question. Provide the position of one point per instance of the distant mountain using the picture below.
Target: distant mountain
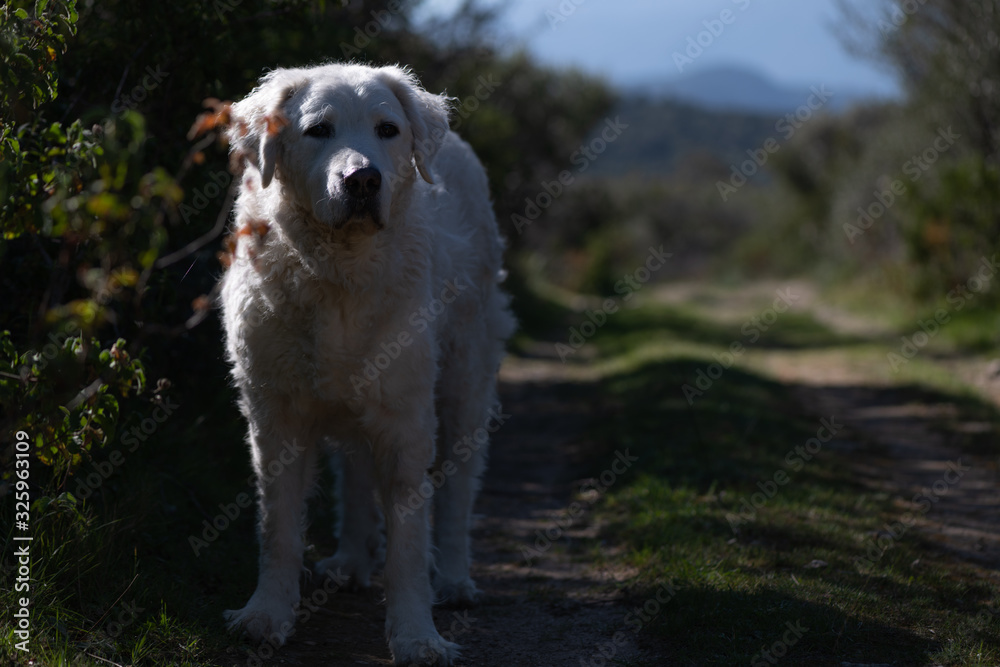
(665, 134)
(736, 89)
(703, 124)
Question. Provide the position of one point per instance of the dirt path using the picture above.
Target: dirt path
(559, 609)
(912, 445)
(554, 611)
(904, 440)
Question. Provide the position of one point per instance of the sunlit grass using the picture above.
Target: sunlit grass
(795, 557)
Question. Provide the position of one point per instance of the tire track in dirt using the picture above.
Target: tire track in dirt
(908, 444)
(906, 439)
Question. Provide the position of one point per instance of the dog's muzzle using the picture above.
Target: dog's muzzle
(362, 187)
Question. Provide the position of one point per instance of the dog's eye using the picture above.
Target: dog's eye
(322, 130)
(387, 130)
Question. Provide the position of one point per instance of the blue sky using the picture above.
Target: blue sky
(630, 41)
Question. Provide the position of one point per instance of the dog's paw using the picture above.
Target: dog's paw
(347, 570)
(263, 619)
(457, 593)
(423, 651)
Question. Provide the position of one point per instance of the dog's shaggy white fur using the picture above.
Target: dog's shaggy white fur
(363, 311)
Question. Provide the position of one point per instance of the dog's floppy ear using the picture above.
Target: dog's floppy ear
(426, 112)
(258, 120)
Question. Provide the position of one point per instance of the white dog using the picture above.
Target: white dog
(362, 310)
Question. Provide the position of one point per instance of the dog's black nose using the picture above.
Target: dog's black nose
(363, 182)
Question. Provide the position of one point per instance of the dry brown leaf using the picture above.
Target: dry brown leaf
(275, 123)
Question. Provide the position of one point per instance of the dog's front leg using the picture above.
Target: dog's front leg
(285, 465)
(402, 464)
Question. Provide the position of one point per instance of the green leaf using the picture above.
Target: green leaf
(21, 14)
(24, 60)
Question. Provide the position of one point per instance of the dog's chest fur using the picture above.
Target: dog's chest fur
(311, 339)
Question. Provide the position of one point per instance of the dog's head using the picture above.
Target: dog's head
(343, 140)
